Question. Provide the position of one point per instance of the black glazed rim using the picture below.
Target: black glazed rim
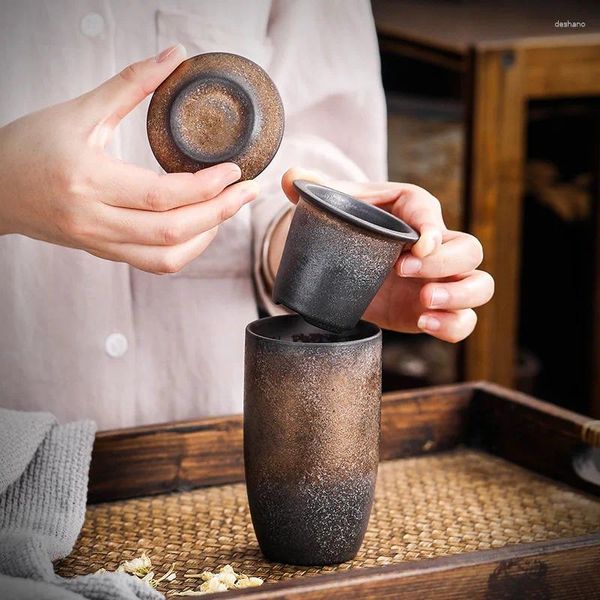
(365, 331)
(391, 226)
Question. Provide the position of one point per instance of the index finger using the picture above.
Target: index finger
(129, 186)
(421, 210)
(118, 96)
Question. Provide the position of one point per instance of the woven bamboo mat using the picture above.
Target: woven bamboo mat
(458, 501)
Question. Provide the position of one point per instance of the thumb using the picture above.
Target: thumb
(287, 181)
(118, 96)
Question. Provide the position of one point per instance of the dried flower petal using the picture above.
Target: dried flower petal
(228, 579)
(213, 585)
(227, 569)
(142, 569)
(248, 582)
(225, 579)
(139, 567)
(205, 575)
(170, 575)
(149, 579)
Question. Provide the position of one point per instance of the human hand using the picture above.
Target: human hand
(57, 183)
(434, 287)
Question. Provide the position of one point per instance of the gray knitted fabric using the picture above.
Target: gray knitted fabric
(43, 487)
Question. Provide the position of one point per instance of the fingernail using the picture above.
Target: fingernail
(410, 265)
(430, 239)
(439, 297)
(162, 56)
(428, 323)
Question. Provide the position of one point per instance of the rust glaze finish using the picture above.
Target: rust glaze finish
(214, 108)
(311, 437)
(337, 255)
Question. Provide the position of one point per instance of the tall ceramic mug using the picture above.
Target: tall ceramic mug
(311, 437)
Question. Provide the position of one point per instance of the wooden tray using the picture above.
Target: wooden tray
(479, 495)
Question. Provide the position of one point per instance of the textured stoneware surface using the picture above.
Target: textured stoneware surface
(214, 108)
(311, 437)
(332, 267)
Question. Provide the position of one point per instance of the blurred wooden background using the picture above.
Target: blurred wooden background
(494, 108)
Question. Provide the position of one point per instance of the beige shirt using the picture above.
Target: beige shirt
(81, 336)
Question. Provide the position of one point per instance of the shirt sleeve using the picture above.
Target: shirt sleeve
(326, 67)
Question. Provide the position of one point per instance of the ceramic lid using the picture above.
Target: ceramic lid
(215, 108)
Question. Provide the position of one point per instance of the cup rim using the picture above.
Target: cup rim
(308, 190)
(371, 333)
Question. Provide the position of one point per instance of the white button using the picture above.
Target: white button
(115, 345)
(92, 25)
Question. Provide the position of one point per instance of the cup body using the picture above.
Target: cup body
(337, 255)
(311, 437)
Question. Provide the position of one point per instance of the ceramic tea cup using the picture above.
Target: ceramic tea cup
(311, 437)
(337, 255)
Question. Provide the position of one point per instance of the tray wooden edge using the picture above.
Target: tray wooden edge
(526, 431)
(161, 458)
(563, 568)
(178, 456)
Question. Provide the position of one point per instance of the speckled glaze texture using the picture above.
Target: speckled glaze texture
(311, 437)
(331, 267)
(216, 107)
